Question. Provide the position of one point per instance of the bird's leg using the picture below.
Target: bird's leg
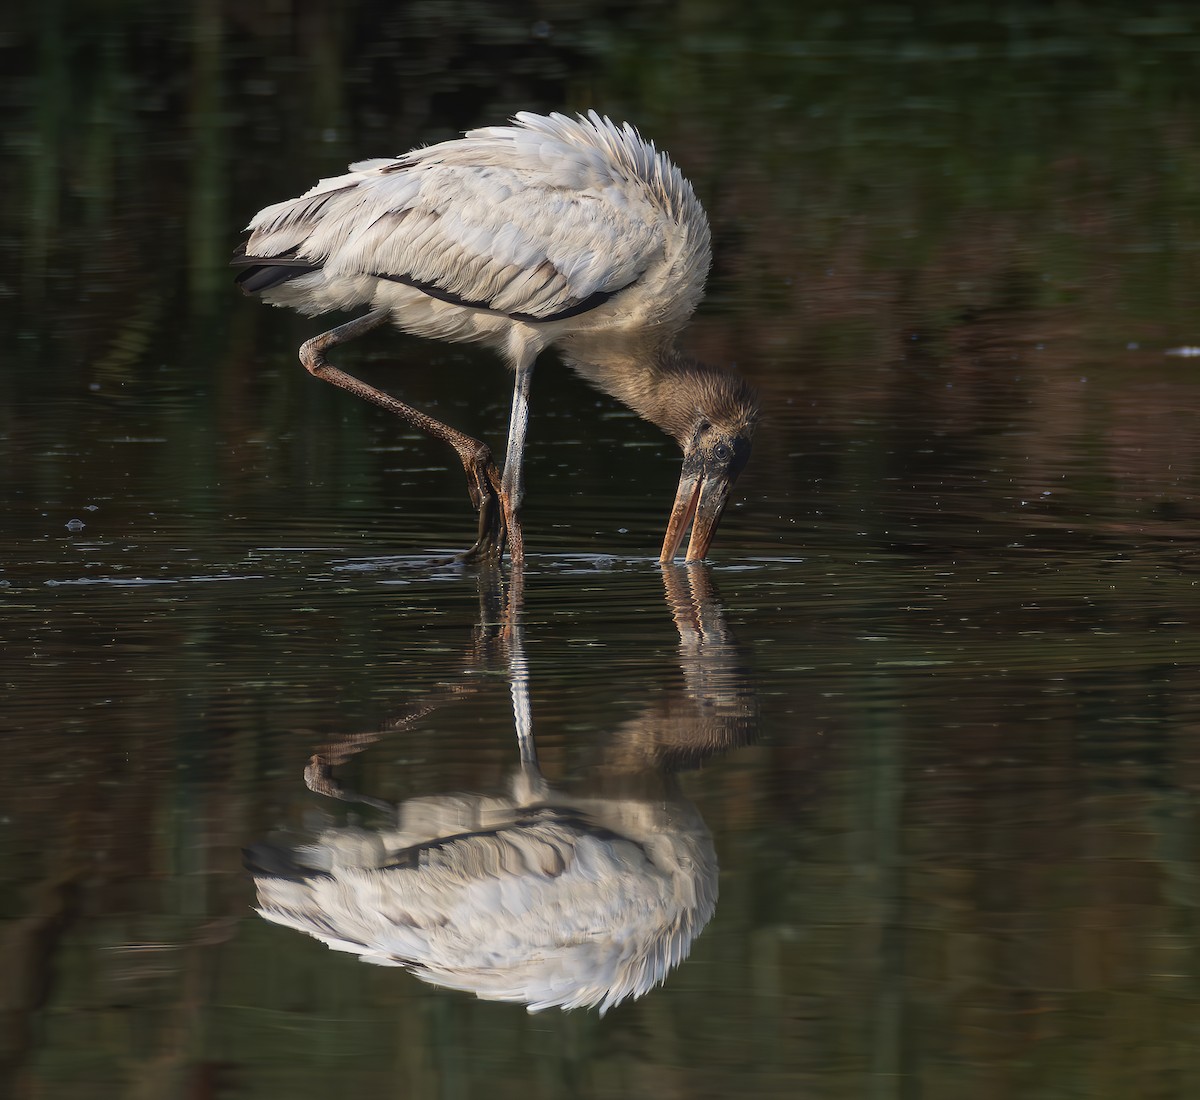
(512, 486)
(483, 482)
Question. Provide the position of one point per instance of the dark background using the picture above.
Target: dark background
(956, 249)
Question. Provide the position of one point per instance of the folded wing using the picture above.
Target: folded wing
(509, 219)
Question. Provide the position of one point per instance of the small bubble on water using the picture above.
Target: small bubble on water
(75, 525)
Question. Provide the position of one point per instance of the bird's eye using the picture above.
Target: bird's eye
(722, 452)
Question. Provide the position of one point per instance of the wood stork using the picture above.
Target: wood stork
(571, 232)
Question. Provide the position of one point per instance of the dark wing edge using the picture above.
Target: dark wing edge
(434, 291)
(264, 272)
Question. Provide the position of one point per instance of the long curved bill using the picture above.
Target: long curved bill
(699, 501)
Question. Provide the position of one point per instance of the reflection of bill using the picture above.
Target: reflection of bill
(536, 896)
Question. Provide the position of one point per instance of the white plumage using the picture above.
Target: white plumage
(527, 220)
(573, 232)
(536, 898)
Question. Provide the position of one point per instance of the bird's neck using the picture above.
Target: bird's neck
(658, 383)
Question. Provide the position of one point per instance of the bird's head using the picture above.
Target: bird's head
(716, 448)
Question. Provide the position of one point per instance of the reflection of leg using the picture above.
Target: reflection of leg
(518, 673)
(529, 787)
(318, 774)
(491, 613)
(498, 632)
(483, 482)
(318, 777)
(514, 606)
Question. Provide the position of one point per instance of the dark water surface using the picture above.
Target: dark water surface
(927, 726)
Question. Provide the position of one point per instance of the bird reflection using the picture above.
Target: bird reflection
(580, 895)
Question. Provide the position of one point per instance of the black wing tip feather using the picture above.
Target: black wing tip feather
(260, 277)
(264, 272)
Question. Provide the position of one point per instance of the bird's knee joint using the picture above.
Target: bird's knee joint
(479, 457)
(312, 357)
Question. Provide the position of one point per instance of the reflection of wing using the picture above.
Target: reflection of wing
(538, 221)
(542, 906)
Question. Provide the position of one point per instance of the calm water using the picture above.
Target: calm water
(928, 725)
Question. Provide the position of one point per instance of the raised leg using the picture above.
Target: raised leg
(483, 482)
(512, 486)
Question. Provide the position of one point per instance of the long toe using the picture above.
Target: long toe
(489, 543)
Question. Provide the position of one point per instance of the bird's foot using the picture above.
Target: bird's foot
(489, 543)
(498, 522)
(483, 483)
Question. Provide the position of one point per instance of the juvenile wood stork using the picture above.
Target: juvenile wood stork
(571, 232)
